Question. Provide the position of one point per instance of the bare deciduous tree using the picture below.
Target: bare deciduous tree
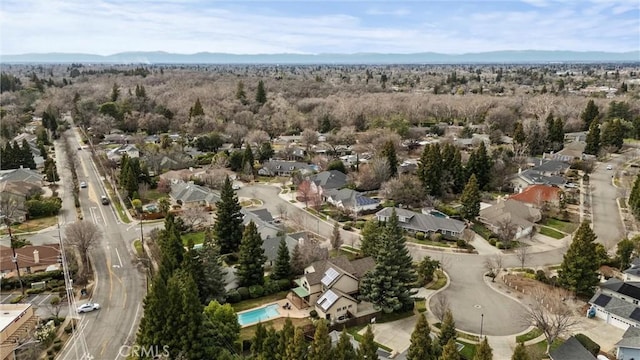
(194, 217)
(439, 305)
(282, 211)
(83, 235)
(522, 253)
(493, 265)
(506, 232)
(549, 313)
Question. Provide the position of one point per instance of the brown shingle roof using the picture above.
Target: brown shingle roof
(538, 194)
(48, 255)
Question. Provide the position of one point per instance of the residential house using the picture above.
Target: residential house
(332, 286)
(189, 195)
(271, 233)
(542, 171)
(513, 212)
(353, 159)
(633, 272)
(571, 349)
(17, 324)
(32, 142)
(284, 168)
(17, 192)
(22, 174)
(30, 259)
(570, 152)
(537, 195)
(312, 189)
(616, 302)
(427, 223)
(117, 153)
(628, 348)
(408, 166)
(350, 200)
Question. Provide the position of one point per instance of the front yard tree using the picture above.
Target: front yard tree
(430, 169)
(368, 349)
(579, 269)
(389, 152)
(450, 351)
(470, 199)
(251, 258)
(320, 348)
(448, 329)
(228, 227)
(426, 269)
(589, 114)
(371, 234)
(592, 146)
(613, 134)
(484, 351)
(634, 198)
(282, 267)
(520, 353)
(213, 272)
(344, 350)
(222, 324)
(624, 252)
(388, 285)
(480, 164)
(421, 347)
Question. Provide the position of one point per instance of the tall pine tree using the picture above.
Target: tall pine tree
(251, 258)
(388, 285)
(320, 348)
(430, 169)
(213, 272)
(368, 348)
(228, 227)
(589, 114)
(480, 164)
(470, 200)
(483, 351)
(450, 351)
(421, 347)
(344, 350)
(579, 269)
(634, 198)
(261, 93)
(592, 146)
(282, 267)
(448, 329)
(389, 152)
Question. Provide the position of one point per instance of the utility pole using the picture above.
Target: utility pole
(13, 250)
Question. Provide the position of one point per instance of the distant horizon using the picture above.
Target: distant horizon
(250, 27)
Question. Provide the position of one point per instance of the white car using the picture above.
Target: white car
(83, 184)
(609, 167)
(88, 307)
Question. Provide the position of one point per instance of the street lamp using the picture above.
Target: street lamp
(14, 259)
(481, 324)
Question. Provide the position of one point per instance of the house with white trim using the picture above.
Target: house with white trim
(427, 223)
(617, 303)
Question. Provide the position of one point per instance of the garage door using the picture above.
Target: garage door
(618, 322)
(602, 314)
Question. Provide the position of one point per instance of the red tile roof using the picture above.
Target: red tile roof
(538, 194)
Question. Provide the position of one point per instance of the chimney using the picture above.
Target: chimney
(36, 256)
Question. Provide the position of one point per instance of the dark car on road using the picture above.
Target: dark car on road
(104, 200)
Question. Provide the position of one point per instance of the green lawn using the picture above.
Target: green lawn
(32, 225)
(468, 351)
(116, 203)
(541, 347)
(153, 195)
(440, 282)
(428, 242)
(138, 246)
(252, 303)
(482, 231)
(421, 305)
(560, 225)
(534, 333)
(550, 232)
(197, 237)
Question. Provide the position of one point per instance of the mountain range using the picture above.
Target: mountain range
(493, 57)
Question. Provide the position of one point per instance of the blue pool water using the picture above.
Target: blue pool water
(437, 214)
(260, 314)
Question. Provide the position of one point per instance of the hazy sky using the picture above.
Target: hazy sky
(250, 27)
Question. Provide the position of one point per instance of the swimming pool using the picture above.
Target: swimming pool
(259, 314)
(437, 213)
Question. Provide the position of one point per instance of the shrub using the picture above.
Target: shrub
(346, 227)
(541, 276)
(256, 291)
(499, 245)
(233, 296)
(420, 235)
(270, 287)
(35, 291)
(409, 306)
(244, 293)
(493, 241)
(17, 299)
(360, 224)
(589, 344)
(284, 284)
(461, 244)
(436, 237)
(57, 347)
(313, 313)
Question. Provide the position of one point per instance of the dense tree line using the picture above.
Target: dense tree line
(14, 156)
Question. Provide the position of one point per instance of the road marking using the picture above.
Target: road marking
(119, 259)
(133, 325)
(104, 347)
(6, 298)
(43, 300)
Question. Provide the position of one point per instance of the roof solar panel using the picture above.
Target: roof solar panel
(329, 276)
(327, 300)
(602, 300)
(635, 315)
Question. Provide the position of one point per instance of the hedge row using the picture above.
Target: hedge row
(256, 291)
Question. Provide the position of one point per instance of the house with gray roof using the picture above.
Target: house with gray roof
(188, 194)
(271, 233)
(571, 349)
(629, 346)
(350, 200)
(22, 174)
(513, 212)
(116, 154)
(284, 168)
(616, 302)
(427, 223)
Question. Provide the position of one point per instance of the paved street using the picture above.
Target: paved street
(606, 219)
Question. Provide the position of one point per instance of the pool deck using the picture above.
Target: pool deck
(294, 312)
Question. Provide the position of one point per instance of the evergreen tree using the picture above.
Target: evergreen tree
(115, 92)
(344, 350)
(448, 329)
(247, 158)
(483, 351)
(50, 170)
(480, 164)
(453, 179)
(368, 349)
(634, 198)
(593, 139)
(257, 342)
(297, 261)
(430, 169)
(261, 93)
(579, 269)
(298, 349)
(613, 134)
(421, 347)
(270, 345)
(240, 93)
(336, 239)
(265, 152)
(193, 264)
(619, 110)
(286, 338)
(520, 353)
(519, 136)
(320, 348)
(250, 270)
(450, 351)
(228, 227)
(213, 272)
(624, 252)
(388, 285)
(589, 114)
(26, 156)
(282, 267)
(172, 249)
(222, 325)
(371, 234)
(470, 200)
(196, 109)
(152, 323)
(389, 152)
